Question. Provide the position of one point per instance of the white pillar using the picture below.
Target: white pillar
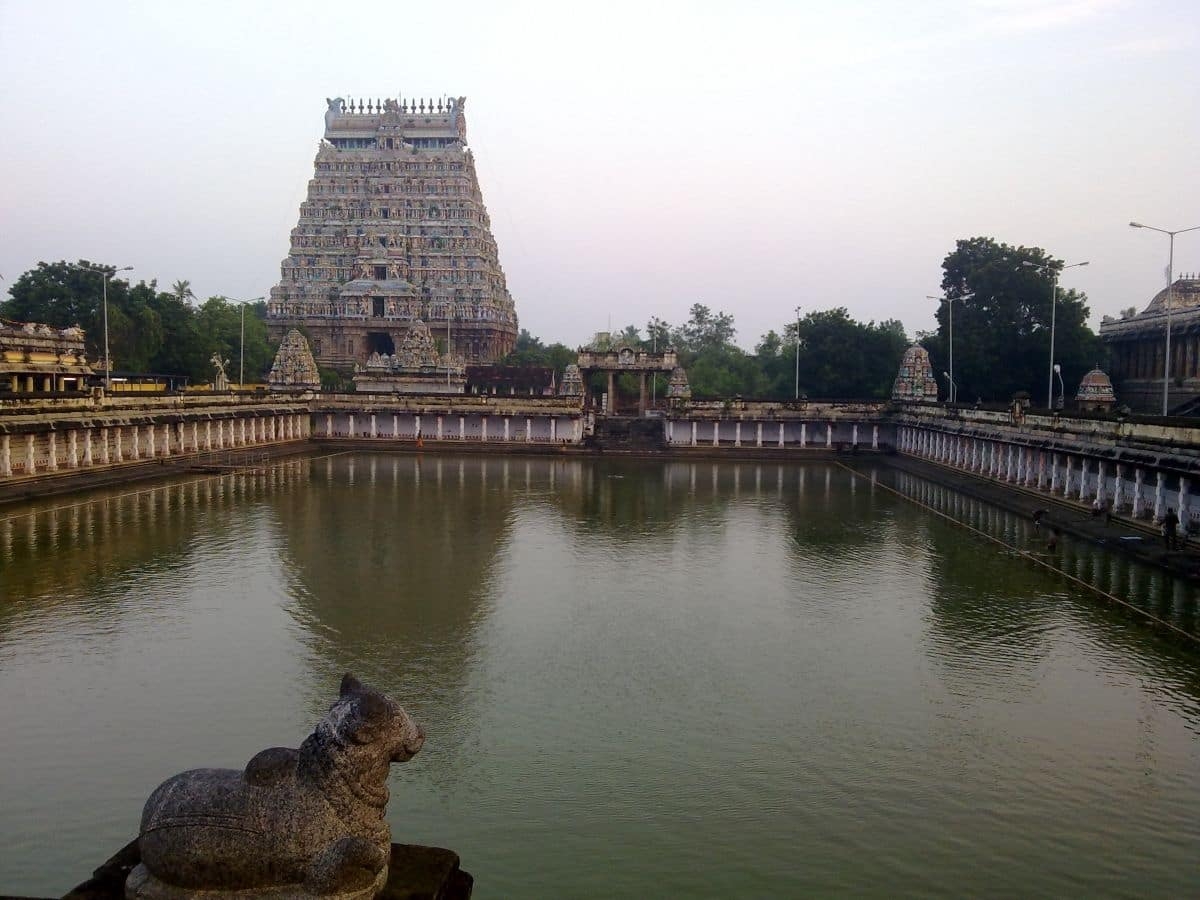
(105, 450)
(352, 425)
(1083, 478)
(483, 428)
(758, 434)
(135, 447)
(30, 458)
(528, 429)
(73, 448)
(716, 436)
(195, 435)
(803, 435)
(1185, 512)
(151, 449)
(506, 428)
(1139, 478)
(554, 429)
(118, 450)
(374, 426)
(52, 454)
(737, 433)
(87, 447)
(462, 428)
(781, 434)
(5, 456)
(828, 434)
(1118, 487)
(439, 427)
(1160, 491)
(328, 424)
(241, 433)
(1054, 473)
(693, 432)
(1066, 492)
(1100, 481)
(874, 437)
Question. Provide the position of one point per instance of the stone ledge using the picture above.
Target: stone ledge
(414, 873)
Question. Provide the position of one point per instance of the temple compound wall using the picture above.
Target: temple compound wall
(75, 435)
(394, 230)
(781, 426)
(1135, 469)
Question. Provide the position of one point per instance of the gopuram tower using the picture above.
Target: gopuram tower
(394, 231)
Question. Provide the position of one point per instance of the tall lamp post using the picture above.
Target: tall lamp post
(797, 352)
(105, 275)
(1053, 304)
(1170, 284)
(950, 374)
(242, 348)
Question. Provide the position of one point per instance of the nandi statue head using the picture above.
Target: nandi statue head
(293, 823)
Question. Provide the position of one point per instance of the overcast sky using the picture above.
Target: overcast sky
(635, 159)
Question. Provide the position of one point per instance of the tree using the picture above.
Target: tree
(841, 357)
(182, 290)
(1002, 313)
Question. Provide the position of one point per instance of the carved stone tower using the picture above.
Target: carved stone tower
(394, 231)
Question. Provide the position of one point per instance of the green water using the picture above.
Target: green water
(637, 679)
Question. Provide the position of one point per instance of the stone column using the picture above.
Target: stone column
(1139, 478)
(135, 442)
(1160, 492)
(374, 426)
(87, 447)
(737, 433)
(30, 457)
(758, 434)
(693, 432)
(73, 448)
(118, 450)
(196, 436)
(576, 431)
(854, 434)
(828, 434)
(974, 455)
(1066, 491)
(52, 452)
(1118, 485)
(781, 435)
(151, 450)
(642, 394)
(462, 428)
(803, 435)
(554, 429)
(5, 456)
(1100, 481)
(242, 432)
(1054, 473)
(328, 424)
(417, 427)
(352, 425)
(483, 428)
(1083, 479)
(529, 429)
(874, 437)
(612, 394)
(506, 428)
(716, 435)
(105, 451)
(1185, 503)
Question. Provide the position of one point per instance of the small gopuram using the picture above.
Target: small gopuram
(1095, 392)
(625, 359)
(294, 368)
(36, 357)
(415, 368)
(915, 382)
(1137, 344)
(394, 230)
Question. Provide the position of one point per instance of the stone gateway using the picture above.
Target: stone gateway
(293, 823)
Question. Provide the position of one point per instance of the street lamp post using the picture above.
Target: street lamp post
(1053, 303)
(105, 275)
(242, 348)
(1062, 388)
(654, 323)
(950, 375)
(1170, 285)
(797, 352)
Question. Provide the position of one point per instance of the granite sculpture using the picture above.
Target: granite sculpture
(293, 823)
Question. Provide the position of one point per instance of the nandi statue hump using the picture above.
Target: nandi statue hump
(293, 823)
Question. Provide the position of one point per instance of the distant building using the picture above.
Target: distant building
(394, 230)
(1095, 393)
(1137, 344)
(35, 357)
(512, 381)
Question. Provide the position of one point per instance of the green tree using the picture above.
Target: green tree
(1002, 314)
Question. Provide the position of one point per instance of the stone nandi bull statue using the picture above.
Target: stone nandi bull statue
(293, 823)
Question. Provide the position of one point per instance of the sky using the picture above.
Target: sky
(635, 158)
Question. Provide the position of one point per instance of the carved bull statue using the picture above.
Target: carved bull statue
(293, 823)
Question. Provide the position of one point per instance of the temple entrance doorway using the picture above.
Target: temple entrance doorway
(380, 342)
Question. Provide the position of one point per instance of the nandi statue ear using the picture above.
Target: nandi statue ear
(350, 685)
